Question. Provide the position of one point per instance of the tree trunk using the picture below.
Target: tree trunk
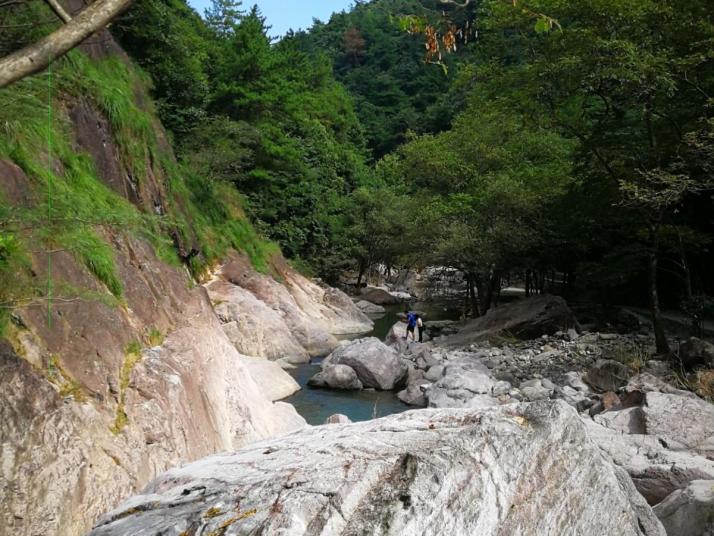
(685, 268)
(473, 300)
(528, 283)
(37, 56)
(657, 321)
(362, 270)
(482, 294)
(493, 283)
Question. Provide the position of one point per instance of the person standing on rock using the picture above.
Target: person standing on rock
(411, 324)
(420, 327)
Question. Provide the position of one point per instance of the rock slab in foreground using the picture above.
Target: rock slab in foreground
(523, 470)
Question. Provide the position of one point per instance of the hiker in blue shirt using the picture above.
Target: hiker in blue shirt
(411, 324)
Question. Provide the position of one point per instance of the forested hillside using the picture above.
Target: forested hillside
(180, 194)
(567, 144)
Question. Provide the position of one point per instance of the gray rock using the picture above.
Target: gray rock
(254, 328)
(575, 398)
(338, 418)
(534, 390)
(370, 308)
(437, 328)
(526, 319)
(376, 364)
(696, 353)
(501, 388)
(656, 470)
(413, 395)
(689, 511)
(340, 377)
(608, 375)
(434, 373)
(414, 375)
(627, 421)
(647, 383)
(527, 469)
(548, 384)
(275, 383)
(517, 395)
(608, 336)
(378, 296)
(461, 381)
(683, 423)
(473, 381)
(423, 358)
(481, 401)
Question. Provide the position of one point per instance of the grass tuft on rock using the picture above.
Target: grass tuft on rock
(132, 355)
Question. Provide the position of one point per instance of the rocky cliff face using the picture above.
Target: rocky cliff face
(100, 392)
(290, 318)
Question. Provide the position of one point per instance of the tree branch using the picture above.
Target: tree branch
(59, 10)
(35, 57)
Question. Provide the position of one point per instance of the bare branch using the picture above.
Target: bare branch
(12, 3)
(59, 10)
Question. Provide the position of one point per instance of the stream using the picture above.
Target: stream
(316, 405)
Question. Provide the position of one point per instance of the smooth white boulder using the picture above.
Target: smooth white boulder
(376, 364)
(273, 381)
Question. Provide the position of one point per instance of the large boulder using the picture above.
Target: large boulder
(395, 336)
(525, 319)
(608, 375)
(336, 377)
(274, 382)
(369, 308)
(683, 423)
(527, 469)
(313, 314)
(378, 296)
(696, 353)
(689, 511)
(656, 470)
(413, 394)
(535, 390)
(462, 384)
(375, 363)
(252, 326)
(437, 328)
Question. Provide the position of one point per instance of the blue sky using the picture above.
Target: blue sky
(283, 15)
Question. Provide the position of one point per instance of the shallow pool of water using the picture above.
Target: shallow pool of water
(316, 405)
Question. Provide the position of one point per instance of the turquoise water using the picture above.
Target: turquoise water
(316, 405)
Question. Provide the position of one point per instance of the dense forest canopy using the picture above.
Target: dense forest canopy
(579, 152)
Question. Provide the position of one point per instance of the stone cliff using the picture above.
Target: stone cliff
(102, 390)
